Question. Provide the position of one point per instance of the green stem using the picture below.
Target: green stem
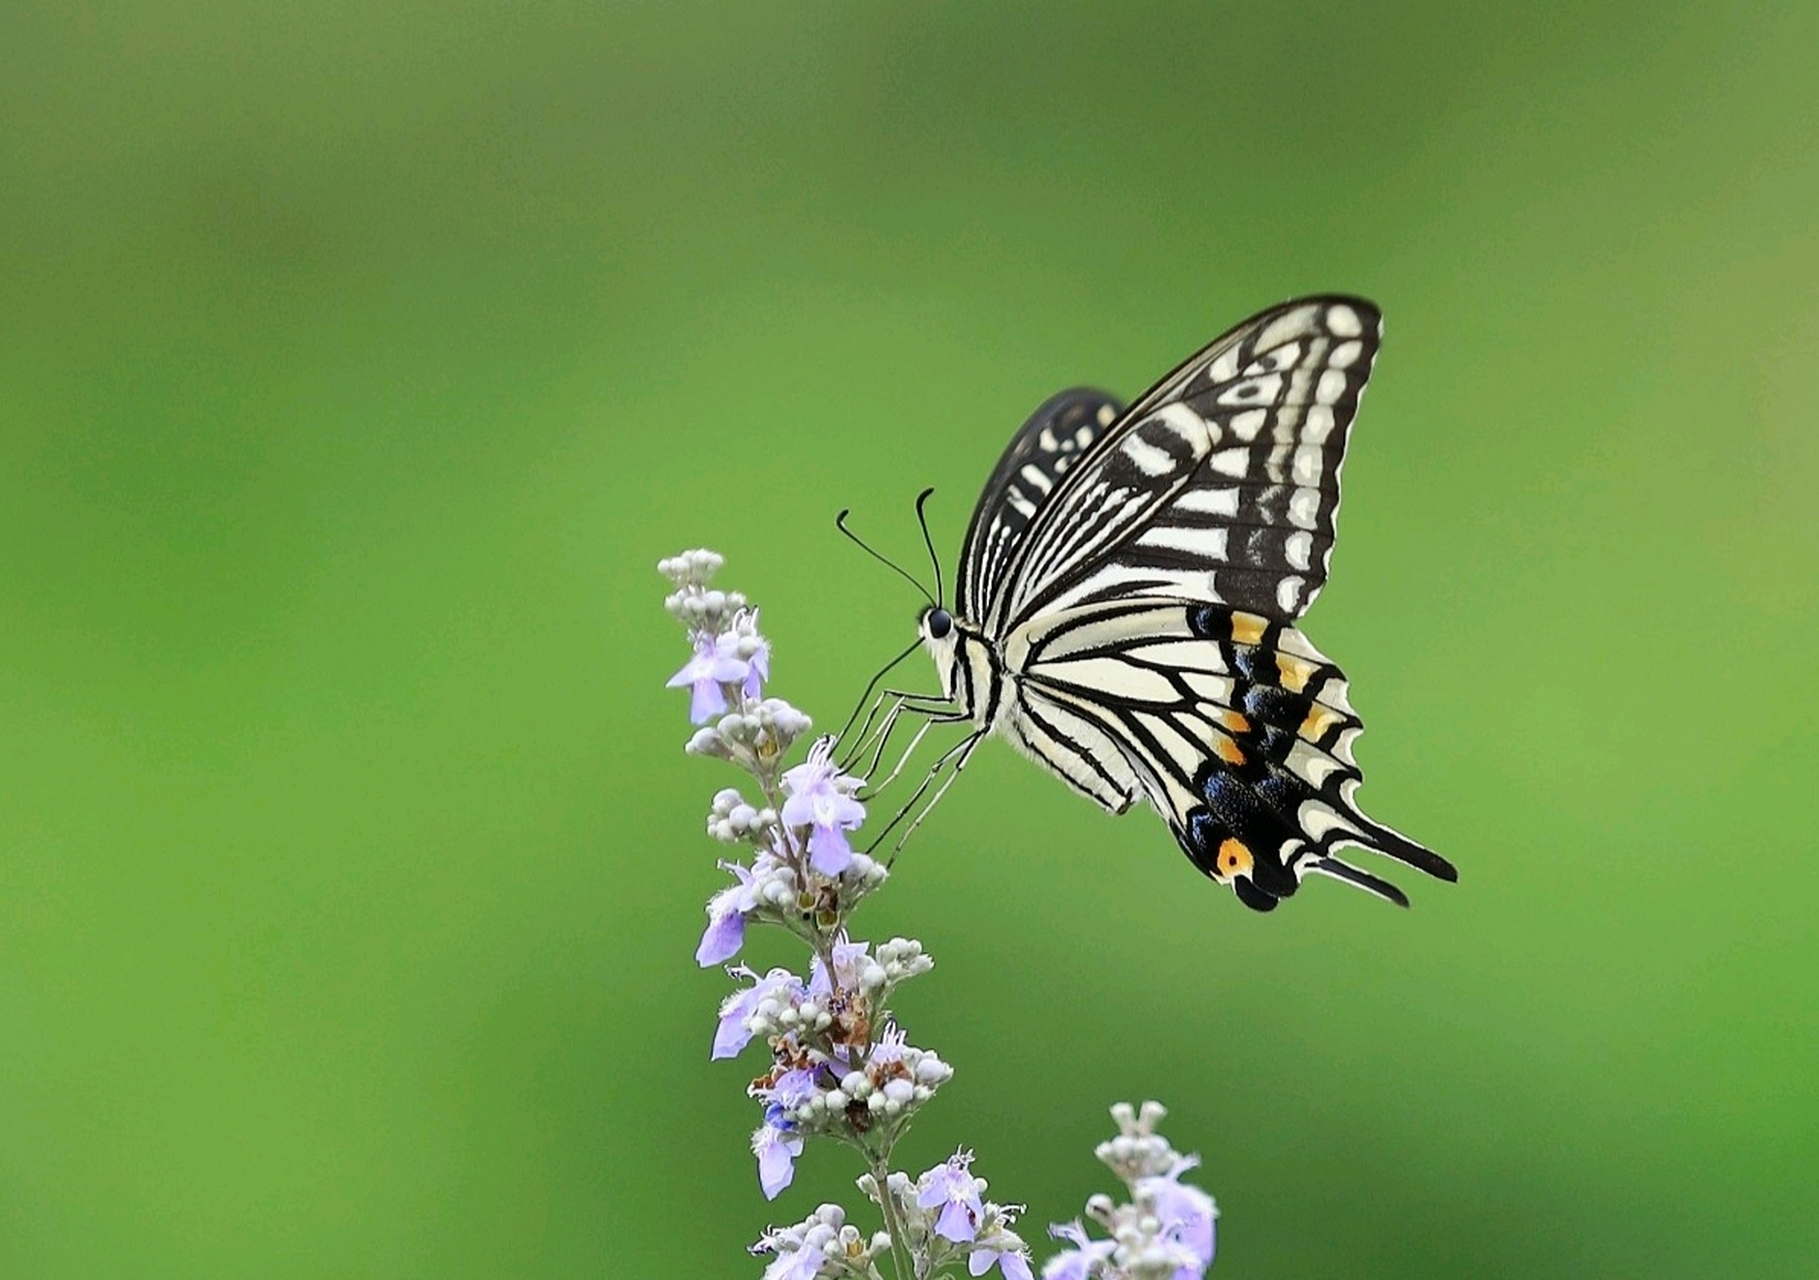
(893, 1221)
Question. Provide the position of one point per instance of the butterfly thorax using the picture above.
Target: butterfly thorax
(967, 664)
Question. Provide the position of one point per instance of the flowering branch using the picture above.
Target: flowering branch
(840, 1066)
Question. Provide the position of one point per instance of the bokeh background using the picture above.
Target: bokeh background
(359, 360)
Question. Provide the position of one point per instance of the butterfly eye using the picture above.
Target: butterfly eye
(940, 622)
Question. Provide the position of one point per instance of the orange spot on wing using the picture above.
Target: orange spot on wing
(1295, 672)
(1320, 718)
(1234, 859)
(1248, 628)
(1236, 721)
(1227, 750)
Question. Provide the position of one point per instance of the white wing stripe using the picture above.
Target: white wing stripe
(1111, 676)
(1149, 459)
(1209, 543)
(1211, 502)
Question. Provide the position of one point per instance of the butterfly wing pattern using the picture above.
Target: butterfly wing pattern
(1138, 574)
(1057, 435)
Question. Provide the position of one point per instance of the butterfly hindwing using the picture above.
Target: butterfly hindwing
(1220, 485)
(1236, 728)
(1056, 436)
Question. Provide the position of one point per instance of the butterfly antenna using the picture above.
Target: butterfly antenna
(840, 524)
(922, 519)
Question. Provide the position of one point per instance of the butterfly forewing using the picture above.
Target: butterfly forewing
(1220, 485)
(1039, 456)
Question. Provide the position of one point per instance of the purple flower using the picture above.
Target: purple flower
(716, 663)
(790, 1090)
(726, 913)
(889, 1048)
(758, 664)
(796, 1264)
(1013, 1264)
(821, 799)
(1077, 1263)
(732, 1035)
(776, 1150)
(1185, 1210)
(956, 1191)
(846, 956)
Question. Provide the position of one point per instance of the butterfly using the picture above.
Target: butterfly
(1127, 596)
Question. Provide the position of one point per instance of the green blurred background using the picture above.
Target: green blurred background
(359, 360)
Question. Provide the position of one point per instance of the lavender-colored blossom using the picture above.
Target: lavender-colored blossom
(796, 1264)
(1013, 1264)
(776, 1150)
(1076, 1263)
(892, 1040)
(732, 1035)
(716, 663)
(846, 964)
(957, 1192)
(821, 799)
(790, 1090)
(726, 913)
(758, 665)
(1185, 1209)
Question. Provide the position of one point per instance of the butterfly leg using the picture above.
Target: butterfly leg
(864, 736)
(935, 710)
(868, 736)
(966, 749)
(873, 790)
(963, 748)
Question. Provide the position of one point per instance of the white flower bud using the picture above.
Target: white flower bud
(835, 1100)
(707, 741)
(899, 1091)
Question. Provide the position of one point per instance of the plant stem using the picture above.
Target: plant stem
(893, 1221)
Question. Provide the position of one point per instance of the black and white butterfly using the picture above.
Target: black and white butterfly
(1126, 603)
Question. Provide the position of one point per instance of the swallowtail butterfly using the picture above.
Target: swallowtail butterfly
(1127, 596)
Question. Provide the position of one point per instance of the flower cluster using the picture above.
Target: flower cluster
(804, 873)
(839, 1065)
(1165, 1230)
(821, 1247)
(948, 1219)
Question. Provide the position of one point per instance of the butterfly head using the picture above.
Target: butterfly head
(941, 637)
